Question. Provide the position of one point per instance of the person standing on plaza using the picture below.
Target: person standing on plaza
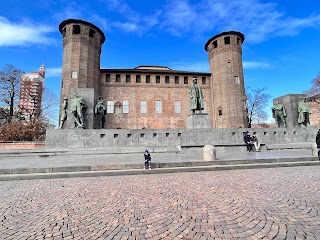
(248, 141)
(255, 142)
(318, 143)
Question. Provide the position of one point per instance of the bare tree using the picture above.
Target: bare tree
(256, 102)
(9, 90)
(315, 87)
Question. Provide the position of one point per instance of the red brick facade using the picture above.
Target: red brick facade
(227, 85)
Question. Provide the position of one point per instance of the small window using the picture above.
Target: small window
(157, 79)
(138, 79)
(236, 79)
(110, 106)
(128, 78)
(143, 106)
(115, 135)
(118, 78)
(167, 134)
(220, 113)
(155, 134)
(74, 74)
(226, 40)
(203, 80)
(108, 78)
(185, 80)
(91, 33)
(64, 32)
(125, 106)
(167, 79)
(76, 29)
(158, 106)
(238, 41)
(229, 64)
(176, 79)
(129, 135)
(215, 44)
(177, 108)
(148, 79)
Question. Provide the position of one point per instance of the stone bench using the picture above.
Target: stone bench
(283, 146)
(221, 148)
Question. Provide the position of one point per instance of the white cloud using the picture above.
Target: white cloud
(201, 19)
(248, 65)
(53, 72)
(24, 34)
(257, 20)
(130, 19)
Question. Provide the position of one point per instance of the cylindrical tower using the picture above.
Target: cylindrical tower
(82, 43)
(227, 81)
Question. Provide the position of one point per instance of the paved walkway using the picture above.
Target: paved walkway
(29, 159)
(277, 203)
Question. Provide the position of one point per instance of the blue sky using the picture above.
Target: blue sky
(281, 51)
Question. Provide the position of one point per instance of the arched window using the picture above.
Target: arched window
(91, 33)
(76, 29)
(220, 112)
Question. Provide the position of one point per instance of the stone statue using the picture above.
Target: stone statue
(279, 113)
(64, 107)
(196, 97)
(77, 105)
(100, 110)
(304, 112)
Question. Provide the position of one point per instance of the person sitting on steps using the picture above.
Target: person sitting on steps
(147, 159)
(255, 142)
(248, 141)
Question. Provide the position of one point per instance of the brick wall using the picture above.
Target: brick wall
(21, 145)
(150, 92)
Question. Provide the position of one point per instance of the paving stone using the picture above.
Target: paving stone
(275, 203)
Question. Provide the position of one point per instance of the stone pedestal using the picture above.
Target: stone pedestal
(198, 121)
(209, 153)
(89, 95)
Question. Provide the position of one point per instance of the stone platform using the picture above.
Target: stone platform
(46, 163)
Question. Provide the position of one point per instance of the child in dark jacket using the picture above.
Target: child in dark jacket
(147, 159)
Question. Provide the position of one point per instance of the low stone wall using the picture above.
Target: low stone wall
(100, 138)
(21, 145)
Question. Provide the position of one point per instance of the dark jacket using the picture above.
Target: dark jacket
(147, 156)
(318, 139)
(247, 138)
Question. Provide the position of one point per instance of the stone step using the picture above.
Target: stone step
(52, 175)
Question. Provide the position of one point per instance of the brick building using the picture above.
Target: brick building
(154, 97)
(31, 89)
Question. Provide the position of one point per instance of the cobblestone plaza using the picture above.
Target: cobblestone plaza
(274, 203)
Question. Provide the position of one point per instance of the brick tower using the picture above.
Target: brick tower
(227, 81)
(82, 43)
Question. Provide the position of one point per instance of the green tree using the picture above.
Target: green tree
(257, 101)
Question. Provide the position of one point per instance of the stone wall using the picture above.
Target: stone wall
(103, 138)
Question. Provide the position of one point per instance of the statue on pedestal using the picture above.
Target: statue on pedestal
(100, 110)
(64, 107)
(77, 107)
(304, 112)
(279, 113)
(196, 97)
